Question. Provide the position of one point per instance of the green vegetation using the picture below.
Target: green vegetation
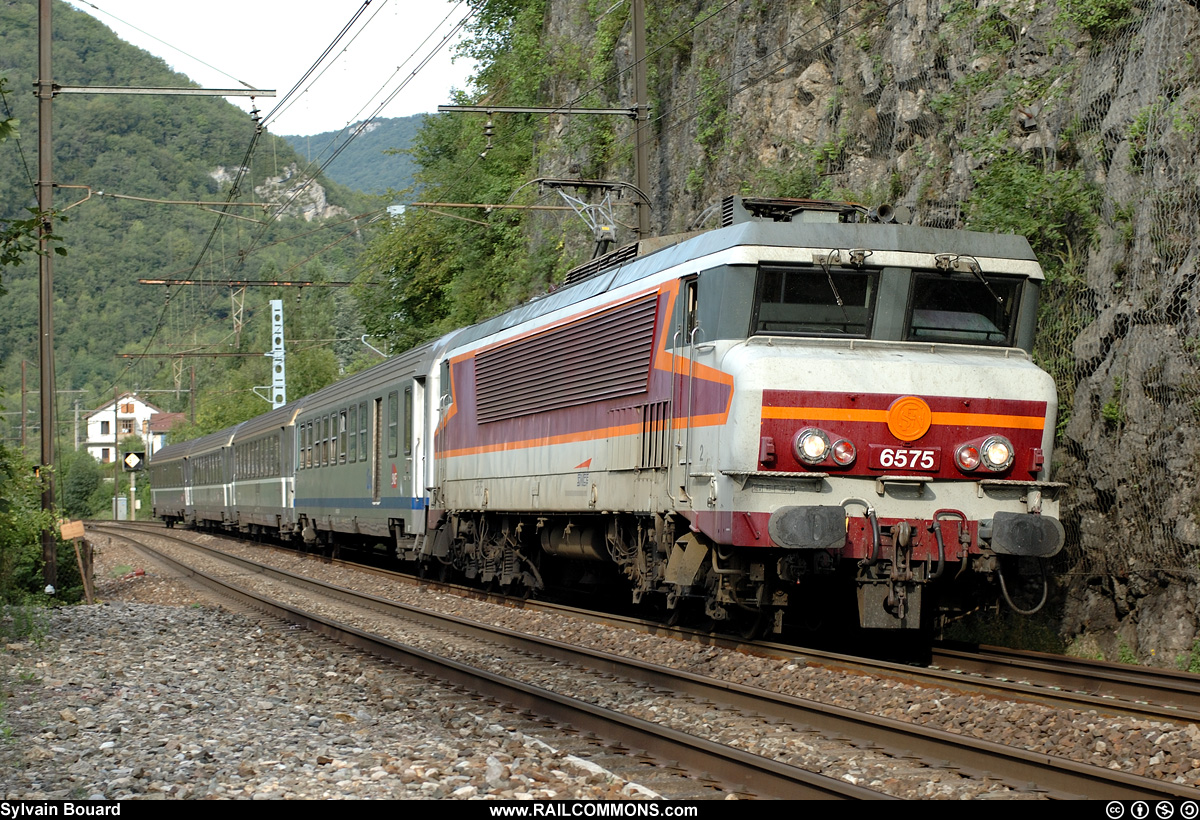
(22, 623)
(427, 273)
(376, 161)
(1112, 412)
(1100, 18)
(1054, 208)
(1189, 661)
(158, 148)
(21, 523)
(19, 236)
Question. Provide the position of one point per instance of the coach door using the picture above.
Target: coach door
(416, 449)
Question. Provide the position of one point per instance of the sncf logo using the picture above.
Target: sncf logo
(909, 418)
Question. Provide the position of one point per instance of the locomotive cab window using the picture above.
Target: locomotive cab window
(962, 309)
(811, 301)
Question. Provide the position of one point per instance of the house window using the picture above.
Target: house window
(126, 426)
(105, 428)
(127, 408)
(104, 455)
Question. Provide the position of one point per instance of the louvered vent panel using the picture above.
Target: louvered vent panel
(601, 357)
(656, 431)
(596, 266)
(726, 212)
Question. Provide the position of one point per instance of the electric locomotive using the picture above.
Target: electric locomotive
(807, 403)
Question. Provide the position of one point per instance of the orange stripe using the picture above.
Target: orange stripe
(989, 420)
(574, 438)
(880, 416)
(824, 414)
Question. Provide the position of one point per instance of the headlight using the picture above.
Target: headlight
(812, 445)
(997, 453)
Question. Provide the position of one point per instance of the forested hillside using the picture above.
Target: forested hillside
(1074, 123)
(370, 157)
(116, 159)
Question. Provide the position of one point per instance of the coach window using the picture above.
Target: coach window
(362, 431)
(393, 424)
(333, 438)
(408, 421)
(341, 434)
(352, 432)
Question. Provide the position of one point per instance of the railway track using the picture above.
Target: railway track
(554, 679)
(1056, 680)
(1165, 693)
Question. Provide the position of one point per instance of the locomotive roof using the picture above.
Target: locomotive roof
(820, 236)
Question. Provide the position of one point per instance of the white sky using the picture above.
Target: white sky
(272, 43)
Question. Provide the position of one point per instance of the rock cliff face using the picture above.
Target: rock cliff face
(1074, 123)
(304, 198)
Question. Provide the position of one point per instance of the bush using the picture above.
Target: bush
(21, 523)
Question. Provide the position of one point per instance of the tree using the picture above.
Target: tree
(21, 523)
(81, 479)
(19, 237)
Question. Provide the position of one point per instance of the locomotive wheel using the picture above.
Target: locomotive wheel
(686, 614)
(750, 626)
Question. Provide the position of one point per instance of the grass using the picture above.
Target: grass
(23, 623)
(1189, 661)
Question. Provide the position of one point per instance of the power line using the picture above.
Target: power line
(164, 42)
(283, 101)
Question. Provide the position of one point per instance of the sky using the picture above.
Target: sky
(271, 44)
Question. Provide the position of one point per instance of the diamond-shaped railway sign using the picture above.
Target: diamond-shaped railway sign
(134, 461)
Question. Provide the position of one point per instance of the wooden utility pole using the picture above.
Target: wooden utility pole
(23, 407)
(641, 105)
(45, 94)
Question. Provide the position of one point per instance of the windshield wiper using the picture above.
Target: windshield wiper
(949, 262)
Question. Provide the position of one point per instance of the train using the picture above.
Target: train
(813, 410)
